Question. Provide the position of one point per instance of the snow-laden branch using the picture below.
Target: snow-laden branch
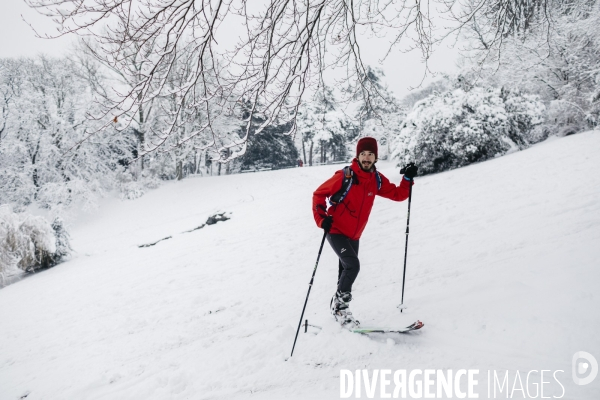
(284, 49)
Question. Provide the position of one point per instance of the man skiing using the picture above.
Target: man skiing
(351, 193)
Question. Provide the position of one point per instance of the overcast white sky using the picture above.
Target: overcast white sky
(18, 39)
(403, 71)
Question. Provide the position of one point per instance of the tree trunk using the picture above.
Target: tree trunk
(179, 170)
(35, 179)
(303, 150)
(35, 170)
(310, 154)
(142, 135)
(321, 151)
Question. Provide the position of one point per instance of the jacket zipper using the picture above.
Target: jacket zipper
(361, 206)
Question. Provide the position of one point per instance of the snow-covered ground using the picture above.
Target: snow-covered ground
(503, 268)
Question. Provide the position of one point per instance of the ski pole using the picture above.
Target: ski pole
(406, 246)
(308, 294)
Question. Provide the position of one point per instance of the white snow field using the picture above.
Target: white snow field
(503, 269)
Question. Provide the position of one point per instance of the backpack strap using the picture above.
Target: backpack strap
(347, 181)
(378, 177)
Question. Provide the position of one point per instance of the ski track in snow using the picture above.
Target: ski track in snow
(502, 269)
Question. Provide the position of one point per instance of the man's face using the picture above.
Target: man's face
(366, 159)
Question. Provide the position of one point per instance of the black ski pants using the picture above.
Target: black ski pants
(348, 266)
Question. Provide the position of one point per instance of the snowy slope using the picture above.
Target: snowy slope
(503, 269)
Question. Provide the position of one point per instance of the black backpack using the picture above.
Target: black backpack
(348, 179)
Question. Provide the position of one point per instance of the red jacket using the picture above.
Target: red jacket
(351, 215)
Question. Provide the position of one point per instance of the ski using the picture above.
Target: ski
(412, 327)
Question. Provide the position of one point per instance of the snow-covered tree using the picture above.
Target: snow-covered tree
(107, 82)
(378, 113)
(377, 101)
(324, 128)
(556, 58)
(384, 129)
(456, 128)
(44, 157)
(271, 148)
(191, 140)
(283, 50)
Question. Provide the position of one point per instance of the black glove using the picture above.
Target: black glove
(326, 223)
(410, 171)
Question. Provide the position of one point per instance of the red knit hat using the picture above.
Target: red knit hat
(366, 143)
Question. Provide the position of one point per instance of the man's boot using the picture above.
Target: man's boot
(341, 311)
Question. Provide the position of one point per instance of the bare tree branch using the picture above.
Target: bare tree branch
(286, 48)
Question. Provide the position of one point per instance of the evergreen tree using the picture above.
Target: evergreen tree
(324, 128)
(378, 114)
(272, 147)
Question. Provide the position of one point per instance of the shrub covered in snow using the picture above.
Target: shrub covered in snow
(458, 127)
(29, 242)
(63, 245)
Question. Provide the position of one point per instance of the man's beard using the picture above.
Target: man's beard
(367, 168)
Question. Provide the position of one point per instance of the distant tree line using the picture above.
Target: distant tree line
(55, 153)
(67, 134)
